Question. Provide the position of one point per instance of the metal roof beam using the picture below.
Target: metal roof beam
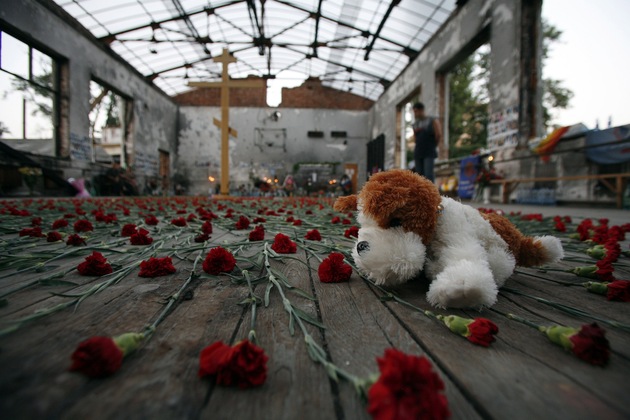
(349, 69)
(318, 16)
(393, 4)
(109, 38)
(365, 33)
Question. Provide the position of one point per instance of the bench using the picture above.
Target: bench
(509, 184)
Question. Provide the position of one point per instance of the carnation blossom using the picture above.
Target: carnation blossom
(219, 260)
(59, 223)
(156, 267)
(151, 220)
(407, 388)
(75, 240)
(589, 343)
(98, 357)
(35, 232)
(282, 244)
(352, 232)
(53, 236)
(94, 265)
(258, 234)
(313, 235)
(333, 269)
(83, 225)
(203, 237)
(180, 221)
(206, 227)
(242, 223)
(480, 331)
(141, 237)
(128, 230)
(243, 365)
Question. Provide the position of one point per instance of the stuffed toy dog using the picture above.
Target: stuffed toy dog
(407, 227)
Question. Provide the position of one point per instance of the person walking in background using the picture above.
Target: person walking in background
(428, 134)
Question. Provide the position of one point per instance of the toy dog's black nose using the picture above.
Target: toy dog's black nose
(363, 246)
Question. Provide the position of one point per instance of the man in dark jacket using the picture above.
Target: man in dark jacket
(428, 133)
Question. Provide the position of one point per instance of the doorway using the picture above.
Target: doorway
(165, 171)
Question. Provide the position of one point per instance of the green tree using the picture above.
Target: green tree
(555, 94)
(469, 96)
(468, 106)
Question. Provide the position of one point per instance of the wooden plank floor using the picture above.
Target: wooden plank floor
(521, 375)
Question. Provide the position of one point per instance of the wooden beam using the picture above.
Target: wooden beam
(233, 131)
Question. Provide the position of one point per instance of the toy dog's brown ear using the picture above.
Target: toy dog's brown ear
(348, 203)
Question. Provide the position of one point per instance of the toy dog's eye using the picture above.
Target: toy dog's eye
(395, 222)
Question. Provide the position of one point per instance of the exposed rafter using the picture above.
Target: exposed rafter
(393, 4)
(272, 38)
(318, 16)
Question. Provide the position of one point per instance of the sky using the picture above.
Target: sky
(592, 58)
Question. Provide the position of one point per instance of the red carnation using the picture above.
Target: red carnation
(605, 270)
(313, 235)
(346, 222)
(244, 365)
(618, 290)
(282, 244)
(141, 237)
(59, 223)
(151, 220)
(482, 331)
(560, 226)
(128, 230)
(155, 267)
(53, 236)
(335, 220)
(75, 240)
(258, 234)
(202, 237)
(259, 220)
(407, 388)
(333, 269)
(207, 227)
(180, 221)
(35, 232)
(242, 223)
(97, 357)
(83, 225)
(36, 221)
(353, 232)
(591, 345)
(290, 219)
(94, 265)
(297, 222)
(219, 260)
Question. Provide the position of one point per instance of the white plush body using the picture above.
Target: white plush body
(467, 261)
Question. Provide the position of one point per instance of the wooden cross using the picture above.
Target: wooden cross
(225, 84)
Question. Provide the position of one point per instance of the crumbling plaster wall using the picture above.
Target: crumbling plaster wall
(155, 115)
(200, 142)
(457, 37)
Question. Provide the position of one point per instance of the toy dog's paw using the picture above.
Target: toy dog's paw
(466, 284)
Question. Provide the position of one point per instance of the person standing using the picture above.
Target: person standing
(428, 134)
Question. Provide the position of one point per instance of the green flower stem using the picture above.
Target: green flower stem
(565, 283)
(569, 309)
(76, 301)
(150, 329)
(45, 281)
(315, 351)
(519, 319)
